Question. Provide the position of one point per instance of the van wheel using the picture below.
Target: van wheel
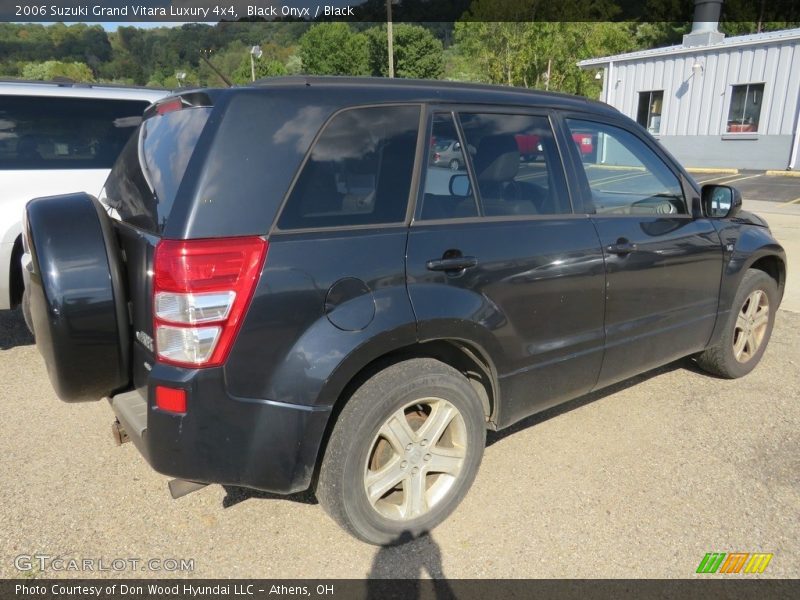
(748, 329)
(403, 452)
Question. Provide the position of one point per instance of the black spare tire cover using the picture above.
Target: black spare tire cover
(78, 304)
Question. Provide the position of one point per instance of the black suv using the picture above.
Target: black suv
(279, 289)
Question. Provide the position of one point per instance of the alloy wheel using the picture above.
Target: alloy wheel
(415, 459)
(751, 326)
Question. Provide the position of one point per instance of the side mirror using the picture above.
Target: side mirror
(720, 201)
(460, 186)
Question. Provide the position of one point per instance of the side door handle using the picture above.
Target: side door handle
(456, 263)
(621, 248)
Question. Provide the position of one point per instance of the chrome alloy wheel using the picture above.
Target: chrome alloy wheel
(751, 326)
(415, 459)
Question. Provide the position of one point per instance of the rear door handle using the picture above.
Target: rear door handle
(621, 248)
(457, 263)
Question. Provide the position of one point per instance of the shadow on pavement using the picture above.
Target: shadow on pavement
(235, 495)
(493, 437)
(13, 331)
(402, 564)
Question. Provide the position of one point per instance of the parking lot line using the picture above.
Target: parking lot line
(795, 201)
(743, 178)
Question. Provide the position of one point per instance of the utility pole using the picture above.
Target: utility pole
(390, 36)
(255, 52)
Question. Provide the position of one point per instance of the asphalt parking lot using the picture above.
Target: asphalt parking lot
(640, 480)
(757, 185)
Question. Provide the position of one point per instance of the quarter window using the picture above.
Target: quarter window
(447, 193)
(625, 176)
(64, 133)
(359, 171)
(649, 113)
(745, 111)
(516, 164)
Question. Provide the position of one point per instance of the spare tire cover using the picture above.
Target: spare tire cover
(78, 303)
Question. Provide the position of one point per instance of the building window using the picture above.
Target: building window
(745, 108)
(649, 113)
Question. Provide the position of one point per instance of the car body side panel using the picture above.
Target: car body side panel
(743, 244)
(661, 299)
(534, 303)
(309, 317)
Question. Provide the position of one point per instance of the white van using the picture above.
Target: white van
(56, 138)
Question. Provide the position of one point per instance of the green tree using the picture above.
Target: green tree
(333, 49)
(51, 69)
(264, 68)
(417, 52)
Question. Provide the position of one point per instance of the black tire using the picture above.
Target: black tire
(341, 488)
(721, 359)
(455, 164)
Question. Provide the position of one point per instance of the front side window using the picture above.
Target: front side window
(516, 164)
(625, 176)
(649, 113)
(38, 132)
(359, 171)
(745, 110)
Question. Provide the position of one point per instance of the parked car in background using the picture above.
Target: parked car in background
(56, 138)
(291, 295)
(530, 147)
(447, 153)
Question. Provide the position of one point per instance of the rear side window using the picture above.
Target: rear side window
(64, 133)
(517, 165)
(144, 182)
(359, 171)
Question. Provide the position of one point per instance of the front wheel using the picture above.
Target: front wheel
(403, 452)
(748, 329)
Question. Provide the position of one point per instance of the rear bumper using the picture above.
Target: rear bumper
(260, 444)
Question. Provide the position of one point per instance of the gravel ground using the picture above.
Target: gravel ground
(640, 480)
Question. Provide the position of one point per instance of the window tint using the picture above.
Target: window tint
(649, 113)
(64, 133)
(144, 181)
(516, 165)
(446, 164)
(745, 110)
(359, 171)
(625, 176)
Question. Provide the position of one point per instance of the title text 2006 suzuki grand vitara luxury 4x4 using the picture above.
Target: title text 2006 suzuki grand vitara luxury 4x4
(291, 294)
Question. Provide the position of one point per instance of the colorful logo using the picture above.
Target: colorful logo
(720, 562)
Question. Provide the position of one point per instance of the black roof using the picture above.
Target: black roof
(383, 89)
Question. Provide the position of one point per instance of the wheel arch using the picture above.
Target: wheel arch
(774, 266)
(464, 356)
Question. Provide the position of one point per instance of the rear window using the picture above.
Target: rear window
(39, 132)
(144, 182)
(359, 171)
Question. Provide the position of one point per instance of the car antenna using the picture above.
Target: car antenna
(204, 55)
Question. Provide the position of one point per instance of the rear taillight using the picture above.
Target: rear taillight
(201, 291)
(169, 106)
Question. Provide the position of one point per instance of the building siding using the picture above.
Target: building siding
(696, 105)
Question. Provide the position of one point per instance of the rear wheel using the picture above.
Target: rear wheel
(455, 165)
(403, 453)
(748, 329)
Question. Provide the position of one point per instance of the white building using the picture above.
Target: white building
(713, 101)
